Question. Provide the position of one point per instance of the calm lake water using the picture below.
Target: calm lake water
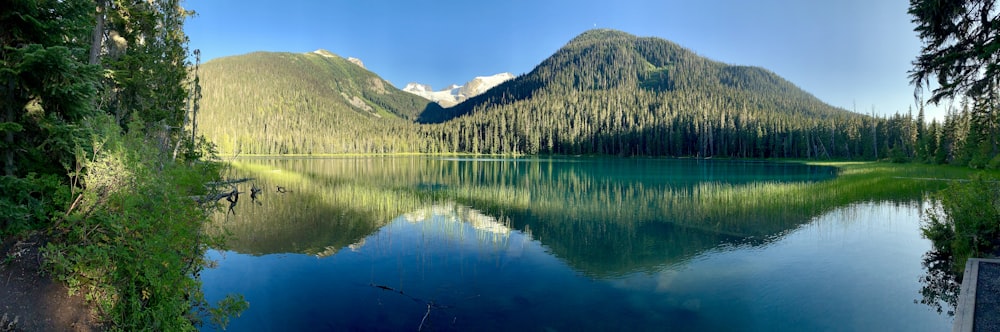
(434, 244)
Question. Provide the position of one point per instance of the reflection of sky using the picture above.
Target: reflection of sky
(855, 268)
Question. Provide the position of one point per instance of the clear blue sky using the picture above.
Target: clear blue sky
(847, 52)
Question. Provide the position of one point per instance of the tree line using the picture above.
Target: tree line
(606, 93)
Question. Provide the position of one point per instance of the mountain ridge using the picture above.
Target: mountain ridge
(605, 92)
(455, 94)
(652, 66)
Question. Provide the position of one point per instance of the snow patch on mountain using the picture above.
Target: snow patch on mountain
(325, 53)
(356, 61)
(329, 54)
(454, 94)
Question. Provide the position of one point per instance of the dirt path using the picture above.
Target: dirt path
(30, 301)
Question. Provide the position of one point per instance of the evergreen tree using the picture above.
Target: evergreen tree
(47, 86)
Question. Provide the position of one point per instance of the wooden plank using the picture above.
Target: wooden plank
(965, 313)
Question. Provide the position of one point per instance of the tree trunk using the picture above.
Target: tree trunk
(9, 168)
(196, 96)
(98, 36)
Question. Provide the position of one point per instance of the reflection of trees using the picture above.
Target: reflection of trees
(941, 285)
(604, 249)
(602, 216)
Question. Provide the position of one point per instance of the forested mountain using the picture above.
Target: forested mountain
(277, 103)
(609, 92)
(605, 92)
(602, 60)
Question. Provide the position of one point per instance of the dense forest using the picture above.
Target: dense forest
(605, 92)
(98, 169)
(317, 102)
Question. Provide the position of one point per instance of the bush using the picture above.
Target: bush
(29, 202)
(137, 243)
(966, 222)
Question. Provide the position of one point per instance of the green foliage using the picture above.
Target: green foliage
(135, 202)
(145, 59)
(960, 51)
(47, 88)
(225, 309)
(47, 92)
(966, 223)
(961, 47)
(898, 156)
(123, 226)
(29, 202)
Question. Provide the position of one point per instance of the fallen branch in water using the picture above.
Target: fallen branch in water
(430, 304)
(428, 313)
(212, 197)
(202, 199)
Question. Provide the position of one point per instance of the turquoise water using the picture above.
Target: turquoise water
(560, 245)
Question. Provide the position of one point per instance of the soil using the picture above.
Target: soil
(31, 300)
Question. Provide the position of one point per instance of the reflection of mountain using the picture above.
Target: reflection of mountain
(604, 217)
(607, 250)
(314, 217)
(457, 213)
(296, 222)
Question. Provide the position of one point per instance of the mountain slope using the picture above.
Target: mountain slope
(609, 92)
(606, 92)
(608, 59)
(266, 103)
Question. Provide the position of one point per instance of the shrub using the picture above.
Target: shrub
(966, 222)
(137, 244)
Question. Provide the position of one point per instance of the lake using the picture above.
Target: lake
(566, 244)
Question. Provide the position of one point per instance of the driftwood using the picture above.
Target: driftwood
(211, 197)
(219, 195)
(234, 196)
(254, 191)
(227, 182)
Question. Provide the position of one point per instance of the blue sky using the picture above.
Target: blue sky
(853, 54)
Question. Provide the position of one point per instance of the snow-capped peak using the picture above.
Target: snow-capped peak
(414, 87)
(481, 84)
(455, 93)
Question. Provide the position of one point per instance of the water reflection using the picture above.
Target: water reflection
(451, 267)
(586, 207)
(468, 244)
(941, 285)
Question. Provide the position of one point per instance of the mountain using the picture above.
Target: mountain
(610, 92)
(605, 92)
(604, 59)
(455, 94)
(271, 103)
